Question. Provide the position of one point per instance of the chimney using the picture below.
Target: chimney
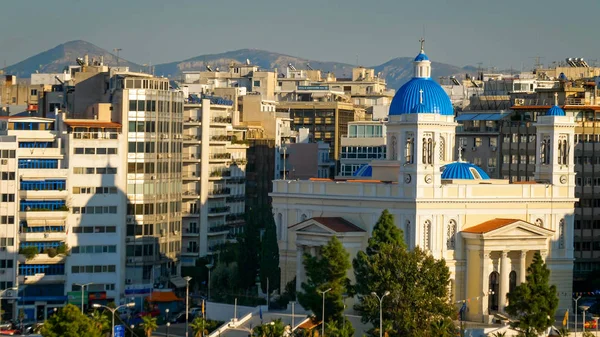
(86, 60)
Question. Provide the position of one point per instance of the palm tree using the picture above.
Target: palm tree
(102, 321)
(198, 325)
(273, 329)
(443, 328)
(149, 325)
(499, 334)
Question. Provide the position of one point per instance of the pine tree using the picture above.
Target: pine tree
(269, 257)
(535, 301)
(418, 283)
(324, 272)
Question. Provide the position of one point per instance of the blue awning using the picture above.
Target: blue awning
(481, 117)
(466, 117)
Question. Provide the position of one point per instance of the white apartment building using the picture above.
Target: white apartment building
(365, 141)
(213, 174)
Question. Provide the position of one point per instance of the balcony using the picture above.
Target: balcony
(190, 195)
(221, 120)
(193, 176)
(218, 210)
(192, 120)
(191, 231)
(239, 161)
(219, 192)
(234, 218)
(190, 157)
(191, 139)
(44, 214)
(236, 180)
(43, 194)
(219, 174)
(44, 236)
(192, 250)
(42, 258)
(218, 230)
(190, 214)
(49, 152)
(223, 157)
(219, 138)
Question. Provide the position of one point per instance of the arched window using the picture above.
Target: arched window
(565, 152)
(407, 232)
(409, 150)
(427, 155)
(279, 226)
(442, 149)
(426, 235)
(561, 234)
(451, 235)
(560, 152)
(493, 291)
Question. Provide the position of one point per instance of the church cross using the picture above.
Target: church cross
(422, 40)
(420, 96)
(555, 98)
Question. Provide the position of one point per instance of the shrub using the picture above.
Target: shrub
(29, 252)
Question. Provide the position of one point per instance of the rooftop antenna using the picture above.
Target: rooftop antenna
(308, 66)
(117, 50)
(538, 63)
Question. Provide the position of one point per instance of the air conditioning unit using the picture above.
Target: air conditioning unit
(128, 281)
(493, 149)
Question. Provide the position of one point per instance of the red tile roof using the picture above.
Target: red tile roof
(92, 124)
(490, 225)
(337, 224)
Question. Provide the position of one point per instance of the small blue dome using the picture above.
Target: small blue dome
(363, 172)
(562, 77)
(555, 111)
(421, 57)
(420, 109)
(435, 98)
(463, 170)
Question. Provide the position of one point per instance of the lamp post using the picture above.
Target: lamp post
(167, 314)
(323, 315)
(168, 325)
(187, 305)
(209, 267)
(584, 308)
(82, 286)
(380, 310)
(112, 311)
(576, 299)
(293, 304)
(1, 298)
(596, 323)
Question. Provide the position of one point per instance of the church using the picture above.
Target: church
(486, 229)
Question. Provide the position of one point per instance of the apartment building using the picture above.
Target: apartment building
(365, 141)
(213, 174)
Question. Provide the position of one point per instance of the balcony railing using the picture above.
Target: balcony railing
(219, 191)
(220, 119)
(234, 217)
(220, 173)
(192, 230)
(219, 228)
(240, 161)
(192, 250)
(219, 209)
(220, 156)
(220, 138)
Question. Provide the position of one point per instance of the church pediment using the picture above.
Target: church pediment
(326, 225)
(507, 228)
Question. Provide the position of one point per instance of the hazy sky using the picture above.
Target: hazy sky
(500, 33)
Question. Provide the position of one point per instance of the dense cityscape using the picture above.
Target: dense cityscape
(237, 200)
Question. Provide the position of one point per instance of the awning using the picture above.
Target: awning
(55, 222)
(466, 117)
(481, 117)
(163, 296)
(178, 282)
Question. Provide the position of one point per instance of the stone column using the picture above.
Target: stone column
(504, 281)
(484, 259)
(523, 266)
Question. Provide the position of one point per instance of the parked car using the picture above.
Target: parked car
(179, 318)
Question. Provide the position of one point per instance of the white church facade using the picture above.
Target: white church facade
(487, 230)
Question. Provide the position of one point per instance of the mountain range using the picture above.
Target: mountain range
(396, 71)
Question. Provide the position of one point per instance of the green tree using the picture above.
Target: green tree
(70, 322)
(102, 321)
(149, 324)
(339, 329)
(443, 328)
(198, 326)
(534, 302)
(249, 244)
(273, 329)
(269, 257)
(324, 272)
(417, 282)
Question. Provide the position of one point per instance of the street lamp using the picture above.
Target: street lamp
(167, 314)
(323, 315)
(596, 323)
(584, 308)
(576, 299)
(187, 305)
(209, 267)
(380, 310)
(2, 297)
(112, 311)
(82, 292)
(168, 325)
(293, 304)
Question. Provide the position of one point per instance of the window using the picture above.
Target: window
(34, 92)
(38, 163)
(451, 235)
(93, 269)
(426, 235)
(257, 84)
(8, 197)
(493, 142)
(477, 141)
(97, 249)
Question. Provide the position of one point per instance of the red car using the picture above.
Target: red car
(153, 313)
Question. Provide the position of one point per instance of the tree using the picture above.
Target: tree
(339, 328)
(417, 282)
(102, 321)
(534, 302)
(198, 325)
(70, 322)
(273, 329)
(269, 257)
(248, 244)
(149, 324)
(324, 272)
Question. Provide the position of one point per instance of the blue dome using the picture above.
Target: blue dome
(462, 170)
(421, 57)
(435, 98)
(363, 172)
(555, 111)
(419, 109)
